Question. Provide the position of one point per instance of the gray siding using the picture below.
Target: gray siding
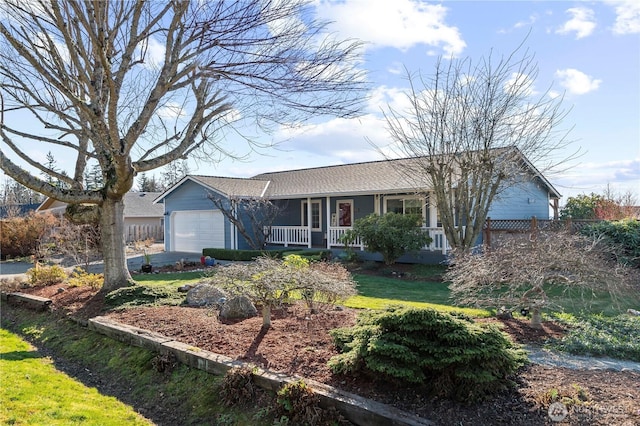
(190, 196)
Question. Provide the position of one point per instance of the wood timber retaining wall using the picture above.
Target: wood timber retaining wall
(356, 409)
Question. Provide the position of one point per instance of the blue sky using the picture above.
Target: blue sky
(590, 51)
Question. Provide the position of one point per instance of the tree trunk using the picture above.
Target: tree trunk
(116, 272)
(536, 318)
(266, 315)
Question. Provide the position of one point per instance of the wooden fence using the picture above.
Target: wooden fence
(144, 232)
(495, 230)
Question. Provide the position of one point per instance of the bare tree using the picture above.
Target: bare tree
(539, 272)
(252, 217)
(136, 85)
(473, 128)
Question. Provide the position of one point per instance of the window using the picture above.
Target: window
(404, 205)
(316, 215)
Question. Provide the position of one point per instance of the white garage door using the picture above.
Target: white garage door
(194, 230)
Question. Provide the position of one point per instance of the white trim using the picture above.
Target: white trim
(309, 215)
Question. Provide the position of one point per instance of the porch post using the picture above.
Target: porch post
(328, 222)
(309, 224)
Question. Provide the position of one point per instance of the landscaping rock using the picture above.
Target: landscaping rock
(204, 294)
(238, 307)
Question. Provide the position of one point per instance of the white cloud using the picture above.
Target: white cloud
(171, 110)
(401, 24)
(576, 82)
(622, 175)
(154, 54)
(627, 16)
(582, 22)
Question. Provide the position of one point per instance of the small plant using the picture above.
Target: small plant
(147, 258)
(297, 404)
(567, 395)
(81, 278)
(164, 363)
(41, 275)
(238, 387)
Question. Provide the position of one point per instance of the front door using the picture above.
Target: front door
(345, 213)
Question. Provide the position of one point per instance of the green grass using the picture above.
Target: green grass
(173, 278)
(33, 392)
(376, 292)
(41, 398)
(576, 301)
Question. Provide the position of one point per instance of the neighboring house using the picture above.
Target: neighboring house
(320, 204)
(17, 210)
(142, 217)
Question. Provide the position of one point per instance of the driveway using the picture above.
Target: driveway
(134, 262)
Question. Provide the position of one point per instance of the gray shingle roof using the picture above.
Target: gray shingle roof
(140, 204)
(381, 177)
(238, 187)
(359, 178)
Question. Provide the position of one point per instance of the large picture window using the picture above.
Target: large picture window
(316, 214)
(405, 205)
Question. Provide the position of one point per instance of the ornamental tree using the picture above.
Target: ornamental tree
(545, 271)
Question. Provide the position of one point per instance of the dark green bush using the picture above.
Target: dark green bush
(244, 255)
(391, 234)
(624, 235)
(448, 353)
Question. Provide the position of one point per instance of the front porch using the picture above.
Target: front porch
(301, 236)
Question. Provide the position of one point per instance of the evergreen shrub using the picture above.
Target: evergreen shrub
(41, 275)
(623, 235)
(448, 353)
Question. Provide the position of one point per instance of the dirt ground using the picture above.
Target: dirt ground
(298, 343)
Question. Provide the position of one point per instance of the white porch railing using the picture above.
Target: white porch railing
(290, 235)
(335, 236)
(300, 236)
(438, 240)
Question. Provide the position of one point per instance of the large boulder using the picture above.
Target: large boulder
(238, 307)
(205, 294)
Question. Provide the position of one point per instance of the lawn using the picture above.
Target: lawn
(376, 292)
(34, 392)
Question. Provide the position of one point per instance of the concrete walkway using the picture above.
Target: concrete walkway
(551, 358)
